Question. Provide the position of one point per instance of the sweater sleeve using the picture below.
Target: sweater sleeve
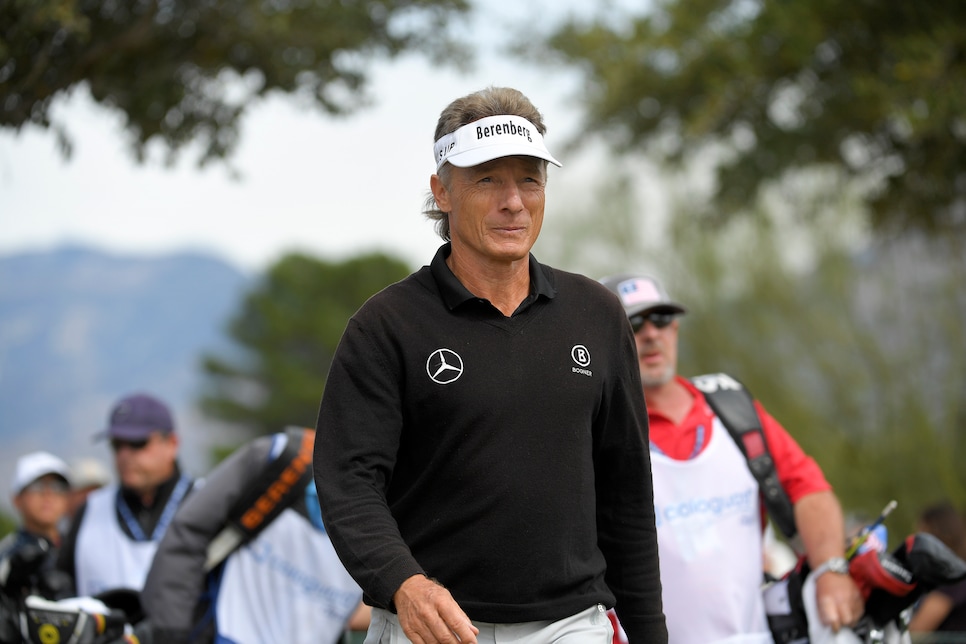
(625, 498)
(357, 438)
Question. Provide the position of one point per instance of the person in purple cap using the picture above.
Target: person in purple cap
(481, 449)
(112, 538)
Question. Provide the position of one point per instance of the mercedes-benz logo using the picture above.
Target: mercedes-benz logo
(444, 366)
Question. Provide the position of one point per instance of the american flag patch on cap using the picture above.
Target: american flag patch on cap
(638, 291)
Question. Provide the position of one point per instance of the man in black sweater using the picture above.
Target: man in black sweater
(481, 454)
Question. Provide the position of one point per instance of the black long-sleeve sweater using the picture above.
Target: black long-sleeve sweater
(504, 456)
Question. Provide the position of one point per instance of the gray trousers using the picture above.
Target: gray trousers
(590, 626)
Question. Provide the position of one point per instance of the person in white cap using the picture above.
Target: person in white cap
(709, 514)
(481, 450)
(115, 533)
(39, 489)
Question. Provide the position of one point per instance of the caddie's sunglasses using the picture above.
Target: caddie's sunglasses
(659, 320)
(56, 486)
(117, 444)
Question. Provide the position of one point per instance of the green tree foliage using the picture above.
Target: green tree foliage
(286, 331)
(7, 524)
(186, 70)
(873, 89)
(862, 358)
(856, 346)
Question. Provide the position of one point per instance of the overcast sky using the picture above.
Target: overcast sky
(333, 188)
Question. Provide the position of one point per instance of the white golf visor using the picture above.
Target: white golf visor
(491, 138)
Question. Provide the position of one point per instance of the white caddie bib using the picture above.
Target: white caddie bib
(710, 544)
(287, 578)
(104, 557)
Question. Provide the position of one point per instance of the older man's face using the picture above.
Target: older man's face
(495, 208)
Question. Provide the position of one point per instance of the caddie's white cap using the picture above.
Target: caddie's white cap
(491, 138)
(31, 467)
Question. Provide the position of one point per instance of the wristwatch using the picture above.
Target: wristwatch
(833, 564)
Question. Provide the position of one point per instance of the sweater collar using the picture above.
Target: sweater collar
(455, 294)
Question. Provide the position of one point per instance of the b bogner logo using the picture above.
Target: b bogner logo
(500, 129)
(581, 356)
(444, 366)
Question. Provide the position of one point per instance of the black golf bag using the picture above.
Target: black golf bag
(32, 610)
(890, 584)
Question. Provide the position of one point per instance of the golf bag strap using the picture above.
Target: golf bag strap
(734, 406)
(267, 494)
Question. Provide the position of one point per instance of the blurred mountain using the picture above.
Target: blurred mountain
(80, 328)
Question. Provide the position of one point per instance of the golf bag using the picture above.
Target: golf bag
(30, 615)
(890, 584)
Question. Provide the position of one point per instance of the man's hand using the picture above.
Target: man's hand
(428, 614)
(839, 601)
(818, 517)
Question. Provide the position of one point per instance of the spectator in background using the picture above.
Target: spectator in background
(39, 488)
(943, 609)
(113, 537)
(712, 563)
(87, 475)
